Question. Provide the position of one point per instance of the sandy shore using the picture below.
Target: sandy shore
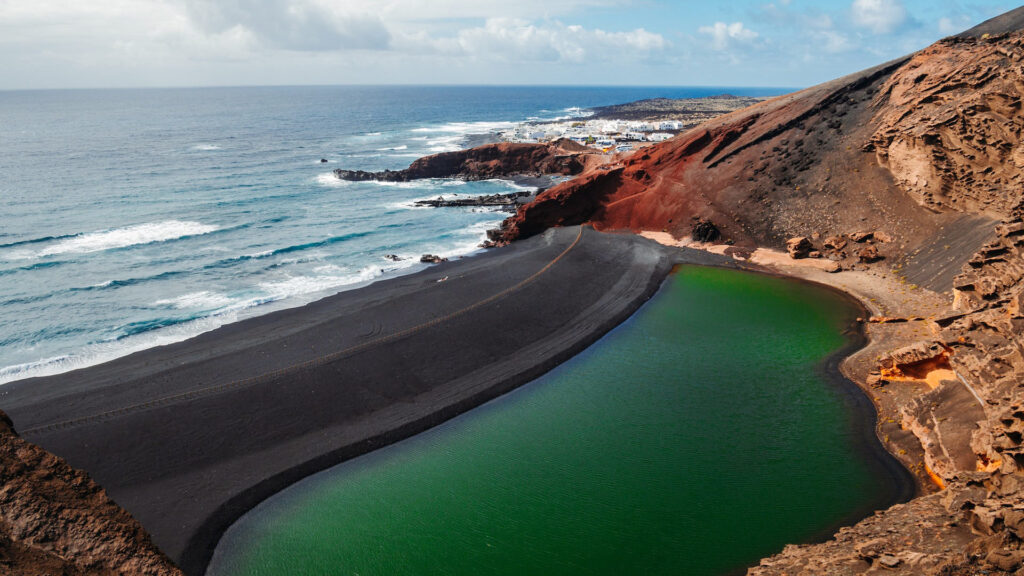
(190, 436)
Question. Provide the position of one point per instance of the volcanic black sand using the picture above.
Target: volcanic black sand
(188, 437)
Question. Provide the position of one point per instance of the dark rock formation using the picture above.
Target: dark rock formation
(705, 231)
(432, 259)
(501, 160)
(56, 520)
(690, 111)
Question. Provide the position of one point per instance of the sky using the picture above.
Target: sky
(152, 43)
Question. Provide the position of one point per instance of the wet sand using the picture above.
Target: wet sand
(190, 436)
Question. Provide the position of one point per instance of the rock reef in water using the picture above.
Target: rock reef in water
(56, 520)
(501, 160)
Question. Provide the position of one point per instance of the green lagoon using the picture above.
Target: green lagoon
(699, 436)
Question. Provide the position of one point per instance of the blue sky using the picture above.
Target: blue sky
(791, 43)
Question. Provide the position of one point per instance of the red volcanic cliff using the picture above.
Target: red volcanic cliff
(55, 520)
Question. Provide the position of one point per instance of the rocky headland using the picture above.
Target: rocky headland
(498, 160)
(689, 111)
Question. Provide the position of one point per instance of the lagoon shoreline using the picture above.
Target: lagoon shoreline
(206, 429)
(188, 502)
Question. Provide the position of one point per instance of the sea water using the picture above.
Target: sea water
(134, 218)
(696, 438)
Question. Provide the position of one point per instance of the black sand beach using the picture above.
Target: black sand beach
(188, 437)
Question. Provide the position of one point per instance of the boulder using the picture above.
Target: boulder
(432, 259)
(860, 237)
(869, 254)
(798, 247)
(705, 231)
(834, 243)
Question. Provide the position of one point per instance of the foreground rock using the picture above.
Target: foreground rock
(55, 520)
(501, 160)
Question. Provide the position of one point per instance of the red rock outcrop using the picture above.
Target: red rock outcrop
(501, 160)
(55, 520)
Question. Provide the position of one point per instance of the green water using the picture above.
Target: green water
(694, 439)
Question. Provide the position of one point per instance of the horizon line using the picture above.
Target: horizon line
(392, 85)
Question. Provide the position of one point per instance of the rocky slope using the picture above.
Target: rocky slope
(54, 520)
(501, 160)
(909, 172)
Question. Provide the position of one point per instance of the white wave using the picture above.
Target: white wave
(393, 148)
(372, 134)
(204, 300)
(268, 296)
(304, 285)
(330, 180)
(467, 127)
(122, 237)
(206, 147)
(100, 352)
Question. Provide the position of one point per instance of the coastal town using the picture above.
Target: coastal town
(603, 135)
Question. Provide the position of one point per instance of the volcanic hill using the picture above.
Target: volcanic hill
(909, 173)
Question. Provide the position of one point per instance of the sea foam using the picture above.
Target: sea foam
(123, 237)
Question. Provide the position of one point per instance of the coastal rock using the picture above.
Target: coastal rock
(56, 520)
(798, 247)
(432, 259)
(487, 162)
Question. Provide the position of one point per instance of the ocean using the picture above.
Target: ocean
(136, 218)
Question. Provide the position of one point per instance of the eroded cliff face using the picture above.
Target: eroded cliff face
(54, 520)
(949, 126)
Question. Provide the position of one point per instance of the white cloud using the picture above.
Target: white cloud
(879, 16)
(293, 24)
(723, 35)
(513, 39)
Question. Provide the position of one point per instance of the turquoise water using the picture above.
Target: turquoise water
(696, 438)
